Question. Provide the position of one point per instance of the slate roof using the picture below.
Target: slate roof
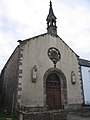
(84, 62)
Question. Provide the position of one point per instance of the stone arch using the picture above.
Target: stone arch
(63, 85)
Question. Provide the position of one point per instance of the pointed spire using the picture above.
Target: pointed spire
(50, 3)
(51, 13)
(51, 22)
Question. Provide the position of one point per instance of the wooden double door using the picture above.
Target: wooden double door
(53, 91)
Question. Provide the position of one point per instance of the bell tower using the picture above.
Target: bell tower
(51, 22)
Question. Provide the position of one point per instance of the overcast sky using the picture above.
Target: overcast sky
(22, 19)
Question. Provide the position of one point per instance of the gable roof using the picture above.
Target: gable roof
(23, 41)
(15, 50)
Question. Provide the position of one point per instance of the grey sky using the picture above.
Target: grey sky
(22, 19)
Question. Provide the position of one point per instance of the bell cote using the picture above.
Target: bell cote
(51, 22)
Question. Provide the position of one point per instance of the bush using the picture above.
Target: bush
(7, 116)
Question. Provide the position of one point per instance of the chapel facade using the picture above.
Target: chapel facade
(43, 72)
(50, 71)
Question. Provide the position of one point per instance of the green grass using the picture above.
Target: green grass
(4, 115)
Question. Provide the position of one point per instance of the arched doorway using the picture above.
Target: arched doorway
(53, 91)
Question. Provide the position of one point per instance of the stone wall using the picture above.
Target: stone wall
(1, 86)
(9, 78)
(49, 115)
(74, 114)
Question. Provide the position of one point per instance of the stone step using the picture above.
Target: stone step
(80, 114)
(49, 115)
(76, 117)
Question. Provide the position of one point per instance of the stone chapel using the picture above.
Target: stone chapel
(43, 73)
